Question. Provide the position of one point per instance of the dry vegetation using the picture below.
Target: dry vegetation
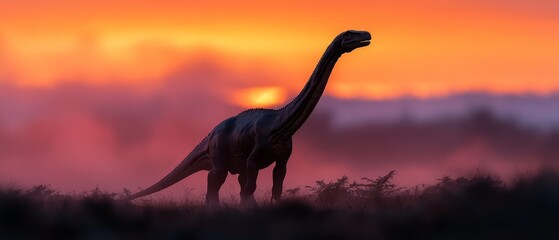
(476, 207)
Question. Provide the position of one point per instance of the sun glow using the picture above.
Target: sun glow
(260, 97)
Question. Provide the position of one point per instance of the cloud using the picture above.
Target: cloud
(78, 136)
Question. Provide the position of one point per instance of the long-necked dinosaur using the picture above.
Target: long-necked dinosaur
(256, 138)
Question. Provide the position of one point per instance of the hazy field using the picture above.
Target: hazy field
(474, 207)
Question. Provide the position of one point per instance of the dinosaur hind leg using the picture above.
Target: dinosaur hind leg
(242, 182)
(216, 178)
(247, 192)
(247, 198)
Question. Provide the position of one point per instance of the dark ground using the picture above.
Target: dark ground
(477, 207)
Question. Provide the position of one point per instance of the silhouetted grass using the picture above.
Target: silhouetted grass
(476, 207)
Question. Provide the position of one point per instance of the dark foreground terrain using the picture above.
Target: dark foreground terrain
(477, 207)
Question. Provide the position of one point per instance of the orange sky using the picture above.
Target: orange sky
(419, 48)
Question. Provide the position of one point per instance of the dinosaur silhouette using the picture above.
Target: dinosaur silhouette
(256, 138)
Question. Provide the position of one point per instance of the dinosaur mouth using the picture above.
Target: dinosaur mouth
(366, 40)
(362, 43)
(365, 43)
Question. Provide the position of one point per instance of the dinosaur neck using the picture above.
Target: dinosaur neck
(294, 114)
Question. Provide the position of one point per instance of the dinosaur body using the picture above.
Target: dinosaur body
(256, 138)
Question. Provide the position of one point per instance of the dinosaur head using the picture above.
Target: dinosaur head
(352, 39)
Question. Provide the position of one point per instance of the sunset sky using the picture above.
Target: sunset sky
(420, 48)
(73, 66)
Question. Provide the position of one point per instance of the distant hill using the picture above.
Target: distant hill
(532, 110)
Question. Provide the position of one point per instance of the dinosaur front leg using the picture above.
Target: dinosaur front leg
(216, 178)
(279, 174)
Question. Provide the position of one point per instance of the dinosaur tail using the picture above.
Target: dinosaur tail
(193, 163)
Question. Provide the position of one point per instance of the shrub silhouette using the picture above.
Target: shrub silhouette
(343, 194)
(333, 194)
